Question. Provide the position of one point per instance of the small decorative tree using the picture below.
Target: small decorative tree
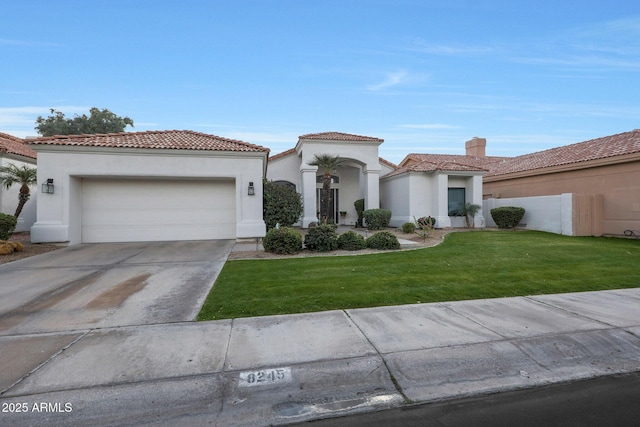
(24, 176)
(469, 211)
(328, 163)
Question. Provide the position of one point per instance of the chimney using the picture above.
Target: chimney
(475, 147)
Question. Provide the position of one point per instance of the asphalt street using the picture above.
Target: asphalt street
(605, 401)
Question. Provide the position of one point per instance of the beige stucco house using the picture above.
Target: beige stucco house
(602, 177)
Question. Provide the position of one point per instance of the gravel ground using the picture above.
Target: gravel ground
(30, 249)
(435, 237)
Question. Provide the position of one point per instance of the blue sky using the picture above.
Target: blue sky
(423, 75)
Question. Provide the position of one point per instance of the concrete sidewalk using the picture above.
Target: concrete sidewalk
(283, 369)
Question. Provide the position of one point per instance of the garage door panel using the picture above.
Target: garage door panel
(145, 210)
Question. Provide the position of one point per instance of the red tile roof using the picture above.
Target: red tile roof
(427, 166)
(339, 136)
(595, 149)
(168, 139)
(388, 163)
(283, 154)
(483, 163)
(13, 145)
(415, 162)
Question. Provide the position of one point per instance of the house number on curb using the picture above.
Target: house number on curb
(264, 377)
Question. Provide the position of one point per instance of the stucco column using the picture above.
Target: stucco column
(476, 199)
(442, 197)
(372, 189)
(309, 214)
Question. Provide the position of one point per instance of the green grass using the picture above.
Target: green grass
(468, 265)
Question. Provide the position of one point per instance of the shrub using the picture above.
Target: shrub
(383, 240)
(377, 219)
(359, 205)
(351, 241)
(408, 227)
(322, 238)
(7, 225)
(424, 226)
(425, 221)
(281, 205)
(507, 216)
(283, 240)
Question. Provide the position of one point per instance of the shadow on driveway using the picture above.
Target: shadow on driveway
(111, 284)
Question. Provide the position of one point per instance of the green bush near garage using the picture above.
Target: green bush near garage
(7, 225)
(283, 240)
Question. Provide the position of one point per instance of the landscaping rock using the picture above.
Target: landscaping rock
(6, 248)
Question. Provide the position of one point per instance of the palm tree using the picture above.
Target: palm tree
(470, 211)
(25, 176)
(328, 163)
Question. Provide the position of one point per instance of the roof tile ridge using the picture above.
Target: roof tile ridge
(387, 162)
(283, 154)
(11, 137)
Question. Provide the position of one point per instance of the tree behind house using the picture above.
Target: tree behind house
(99, 121)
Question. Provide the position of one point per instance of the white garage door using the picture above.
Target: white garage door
(134, 210)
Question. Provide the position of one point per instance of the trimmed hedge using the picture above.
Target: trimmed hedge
(507, 216)
(377, 219)
(283, 240)
(351, 241)
(280, 205)
(7, 225)
(408, 227)
(383, 240)
(322, 238)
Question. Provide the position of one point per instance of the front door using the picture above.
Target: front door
(333, 205)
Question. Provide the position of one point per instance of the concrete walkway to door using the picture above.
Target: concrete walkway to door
(108, 285)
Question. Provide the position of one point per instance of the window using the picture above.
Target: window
(456, 201)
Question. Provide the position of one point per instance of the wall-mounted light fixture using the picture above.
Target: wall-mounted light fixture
(251, 190)
(47, 187)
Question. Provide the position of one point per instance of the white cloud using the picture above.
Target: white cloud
(392, 79)
(421, 46)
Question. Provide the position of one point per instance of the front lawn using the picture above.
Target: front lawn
(469, 265)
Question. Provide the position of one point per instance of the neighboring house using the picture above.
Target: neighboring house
(148, 186)
(437, 185)
(421, 185)
(602, 175)
(13, 150)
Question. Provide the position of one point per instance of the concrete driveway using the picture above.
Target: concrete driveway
(111, 284)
